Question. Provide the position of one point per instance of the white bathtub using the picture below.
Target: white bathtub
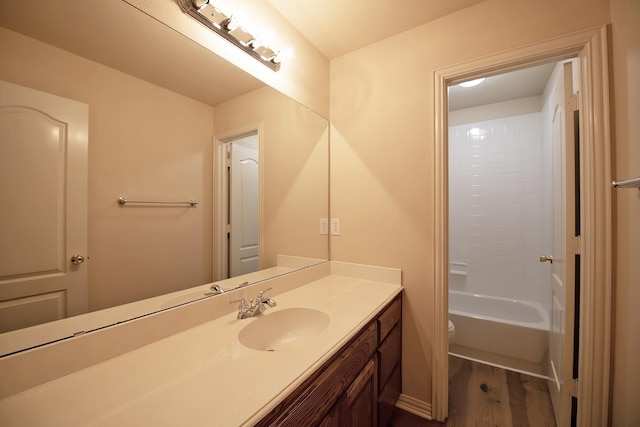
(500, 331)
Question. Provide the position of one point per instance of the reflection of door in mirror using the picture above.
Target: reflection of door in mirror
(43, 220)
(242, 205)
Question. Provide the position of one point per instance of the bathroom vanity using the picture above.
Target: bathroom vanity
(327, 354)
(357, 386)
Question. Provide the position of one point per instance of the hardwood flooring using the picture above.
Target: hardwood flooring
(484, 396)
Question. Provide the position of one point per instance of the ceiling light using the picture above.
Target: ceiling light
(472, 83)
(477, 133)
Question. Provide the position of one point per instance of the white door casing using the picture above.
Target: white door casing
(43, 220)
(595, 243)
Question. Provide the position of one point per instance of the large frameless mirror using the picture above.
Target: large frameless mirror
(173, 137)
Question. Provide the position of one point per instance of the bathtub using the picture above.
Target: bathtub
(500, 331)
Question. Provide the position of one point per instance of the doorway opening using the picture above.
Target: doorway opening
(585, 395)
(238, 210)
(510, 204)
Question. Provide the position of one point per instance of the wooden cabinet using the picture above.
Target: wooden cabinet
(361, 398)
(389, 352)
(390, 380)
(349, 389)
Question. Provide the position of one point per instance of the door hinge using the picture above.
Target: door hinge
(572, 387)
(575, 245)
(573, 103)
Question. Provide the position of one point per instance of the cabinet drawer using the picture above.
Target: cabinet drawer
(388, 319)
(389, 353)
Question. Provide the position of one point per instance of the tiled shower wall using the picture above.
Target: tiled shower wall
(500, 208)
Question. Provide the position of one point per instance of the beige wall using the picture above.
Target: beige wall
(382, 152)
(146, 142)
(295, 159)
(625, 52)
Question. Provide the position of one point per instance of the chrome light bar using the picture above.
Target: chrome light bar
(225, 26)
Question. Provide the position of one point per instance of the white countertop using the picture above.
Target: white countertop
(51, 331)
(204, 375)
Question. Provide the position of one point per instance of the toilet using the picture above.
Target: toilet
(452, 332)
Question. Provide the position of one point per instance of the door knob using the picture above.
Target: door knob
(77, 259)
(544, 258)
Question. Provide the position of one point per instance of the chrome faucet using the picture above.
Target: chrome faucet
(251, 309)
(217, 289)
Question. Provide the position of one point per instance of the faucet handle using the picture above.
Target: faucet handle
(261, 293)
(241, 285)
(262, 299)
(242, 301)
(215, 290)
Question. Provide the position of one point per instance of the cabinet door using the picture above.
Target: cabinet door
(362, 397)
(332, 419)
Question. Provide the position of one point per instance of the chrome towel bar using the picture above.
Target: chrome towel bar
(627, 183)
(123, 201)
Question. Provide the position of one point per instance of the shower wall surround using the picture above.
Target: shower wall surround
(500, 207)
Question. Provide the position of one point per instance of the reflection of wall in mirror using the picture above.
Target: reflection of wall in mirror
(295, 154)
(144, 142)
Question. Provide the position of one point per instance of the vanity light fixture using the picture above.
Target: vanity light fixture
(226, 26)
(213, 15)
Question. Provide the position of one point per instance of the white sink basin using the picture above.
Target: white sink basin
(283, 329)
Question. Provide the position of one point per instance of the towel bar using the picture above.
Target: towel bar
(627, 183)
(123, 201)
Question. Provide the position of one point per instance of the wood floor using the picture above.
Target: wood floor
(484, 396)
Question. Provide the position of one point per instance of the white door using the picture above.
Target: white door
(245, 202)
(561, 385)
(43, 211)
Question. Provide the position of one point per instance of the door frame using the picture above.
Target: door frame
(219, 217)
(596, 271)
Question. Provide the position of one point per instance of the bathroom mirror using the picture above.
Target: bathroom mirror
(160, 107)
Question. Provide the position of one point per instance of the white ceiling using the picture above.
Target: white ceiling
(502, 87)
(337, 27)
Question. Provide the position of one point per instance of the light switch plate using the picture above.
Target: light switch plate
(324, 226)
(335, 226)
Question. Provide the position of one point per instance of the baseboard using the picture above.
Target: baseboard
(414, 406)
